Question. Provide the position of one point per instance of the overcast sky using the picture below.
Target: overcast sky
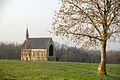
(16, 14)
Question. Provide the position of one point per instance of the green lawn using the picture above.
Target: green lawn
(28, 70)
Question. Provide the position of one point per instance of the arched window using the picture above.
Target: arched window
(51, 50)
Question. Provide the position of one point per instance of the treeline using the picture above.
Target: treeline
(10, 50)
(63, 53)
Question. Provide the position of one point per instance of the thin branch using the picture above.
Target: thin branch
(87, 35)
(109, 34)
(95, 37)
(113, 16)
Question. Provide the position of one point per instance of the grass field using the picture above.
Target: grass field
(28, 70)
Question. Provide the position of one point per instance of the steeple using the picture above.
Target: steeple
(27, 34)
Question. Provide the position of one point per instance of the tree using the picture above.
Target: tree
(94, 22)
(10, 50)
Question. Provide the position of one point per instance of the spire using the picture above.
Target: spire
(27, 34)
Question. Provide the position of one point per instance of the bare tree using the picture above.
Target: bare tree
(93, 22)
(10, 50)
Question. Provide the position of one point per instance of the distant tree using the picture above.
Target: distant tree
(93, 22)
(10, 51)
(74, 54)
(113, 57)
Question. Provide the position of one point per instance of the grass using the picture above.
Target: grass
(28, 70)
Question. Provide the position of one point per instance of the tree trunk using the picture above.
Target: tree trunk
(102, 65)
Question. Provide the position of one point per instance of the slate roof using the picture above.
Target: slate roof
(36, 43)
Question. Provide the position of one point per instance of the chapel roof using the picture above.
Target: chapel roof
(37, 43)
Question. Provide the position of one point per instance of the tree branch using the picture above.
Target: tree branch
(88, 17)
(87, 35)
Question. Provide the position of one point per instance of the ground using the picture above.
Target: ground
(28, 70)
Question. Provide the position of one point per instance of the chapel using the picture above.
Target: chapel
(38, 49)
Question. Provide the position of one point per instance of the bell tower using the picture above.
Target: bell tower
(27, 34)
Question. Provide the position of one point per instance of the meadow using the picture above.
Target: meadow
(29, 70)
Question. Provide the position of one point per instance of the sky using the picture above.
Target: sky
(15, 15)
